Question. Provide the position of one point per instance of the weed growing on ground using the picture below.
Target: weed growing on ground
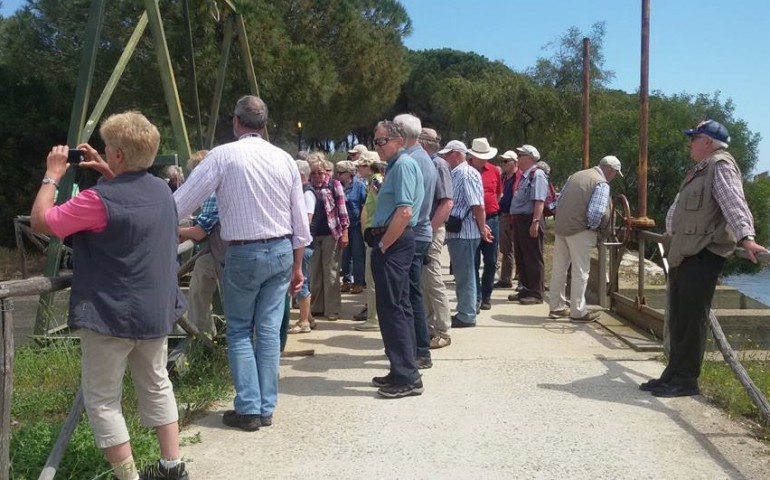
(45, 384)
(719, 383)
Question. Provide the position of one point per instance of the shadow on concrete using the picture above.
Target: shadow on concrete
(334, 361)
(312, 386)
(347, 342)
(620, 384)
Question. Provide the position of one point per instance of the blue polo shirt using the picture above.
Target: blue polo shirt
(403, 187)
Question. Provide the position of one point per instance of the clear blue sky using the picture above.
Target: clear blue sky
(695, 47)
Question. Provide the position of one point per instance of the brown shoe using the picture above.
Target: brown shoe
(356, 289)
(560, 313)
(440, 342)
(587, 318)
(345, 287)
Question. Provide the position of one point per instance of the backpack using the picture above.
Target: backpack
(549, 206)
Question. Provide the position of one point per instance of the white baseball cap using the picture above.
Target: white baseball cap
(454, 146)
(612, 162)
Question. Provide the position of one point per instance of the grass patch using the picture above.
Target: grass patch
(718, 382)
(45, 383)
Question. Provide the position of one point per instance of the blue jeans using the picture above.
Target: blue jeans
(488, 253)
(422, 337)
(304, 291)
(354, 258)
(462, 253)
(255, 284)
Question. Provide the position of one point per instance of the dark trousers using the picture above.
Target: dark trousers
(391, 280)
(422, 337)
(487, 252)
(692, 284)
(529, 257)
(353, 264)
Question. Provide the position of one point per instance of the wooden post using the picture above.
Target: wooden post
(6, 379)
(731, 358)
(586, 97)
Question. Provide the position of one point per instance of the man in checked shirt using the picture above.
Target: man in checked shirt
(263, 220)
(708, 218)
(583, 210)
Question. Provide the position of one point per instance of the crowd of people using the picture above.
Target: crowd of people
(376, 224)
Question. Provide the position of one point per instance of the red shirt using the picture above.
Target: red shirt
(492, 182)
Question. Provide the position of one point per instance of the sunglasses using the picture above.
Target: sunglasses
(382, 141)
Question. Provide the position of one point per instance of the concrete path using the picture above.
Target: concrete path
(519, 396)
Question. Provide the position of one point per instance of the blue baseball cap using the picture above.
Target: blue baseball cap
(712, 128)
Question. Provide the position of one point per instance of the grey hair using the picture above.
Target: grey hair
(251, 112)
(304, 168)
(411, 125)
(394, 129)
(720, 143)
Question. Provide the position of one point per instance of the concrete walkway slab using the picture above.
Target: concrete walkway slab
(519, 396)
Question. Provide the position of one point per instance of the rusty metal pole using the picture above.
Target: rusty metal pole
(641, 221)
(586, 96)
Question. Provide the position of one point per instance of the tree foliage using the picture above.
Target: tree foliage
(338, 66)
(335, 65)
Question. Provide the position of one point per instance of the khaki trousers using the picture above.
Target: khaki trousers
(103, 364)
(433, 289)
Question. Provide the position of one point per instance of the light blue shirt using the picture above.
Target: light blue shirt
(533, 187)
(403, 187)
(423, 230)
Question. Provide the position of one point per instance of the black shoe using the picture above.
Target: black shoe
(415, 388)
(362, 315)
(249, 423)
(515, 297)
(457, 323)
(531, 301)
(424, 362)
(650, 385)
(157, 471)
(503, 285)
(486, 304)
(317, 314)
(381, 382)
(265, 420)
(478, 308)
(670, 390)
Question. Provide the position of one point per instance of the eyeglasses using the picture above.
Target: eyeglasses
(382, 141)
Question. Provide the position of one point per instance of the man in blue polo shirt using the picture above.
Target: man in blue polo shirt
(393, 246)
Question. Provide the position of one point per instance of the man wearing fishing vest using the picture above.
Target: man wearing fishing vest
(583, 209)
(708, 218)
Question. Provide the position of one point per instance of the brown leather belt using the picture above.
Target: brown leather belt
(234, 243)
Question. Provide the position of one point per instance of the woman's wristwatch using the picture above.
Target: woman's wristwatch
(747, 237)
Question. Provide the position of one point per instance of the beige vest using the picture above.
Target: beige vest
(698, 222)
(573, 202)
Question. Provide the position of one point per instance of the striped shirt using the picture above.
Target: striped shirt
(727, 190)
(468, 192)
(259, 191)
